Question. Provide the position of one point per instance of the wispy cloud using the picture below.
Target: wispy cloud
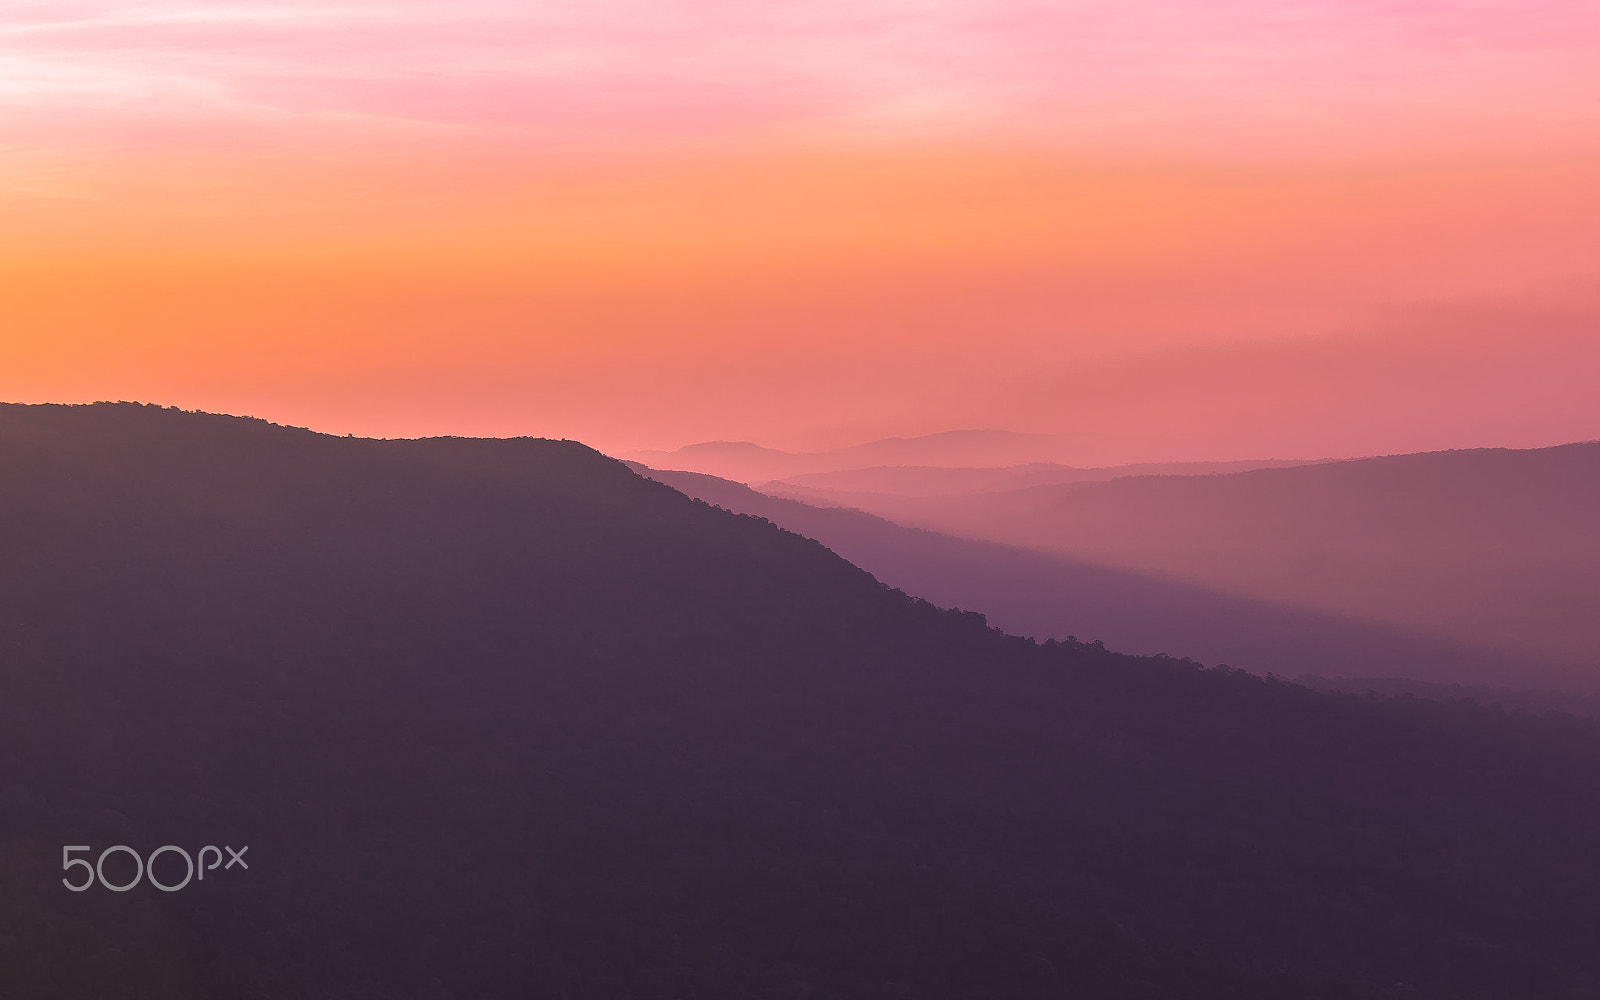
(1136, 73)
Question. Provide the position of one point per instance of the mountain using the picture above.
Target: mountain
(732, 457)
(501, 718)
(922, 480)
(1498, 549)
(1044, 595)
(1566, 702)
(746, 462)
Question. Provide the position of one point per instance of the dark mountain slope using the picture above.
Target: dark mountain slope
(1043, 595)
(501, 718)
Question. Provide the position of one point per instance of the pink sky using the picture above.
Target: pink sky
(1338, 78)
(648, 223)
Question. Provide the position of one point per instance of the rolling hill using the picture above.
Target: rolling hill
(924, 480)
(748, 462)
(501, 718)
(1046, 595)
(1496, 549)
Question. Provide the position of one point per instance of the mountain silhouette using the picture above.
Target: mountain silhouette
(744, 461)
(1497, 549)
(921, 480)
(502, 718)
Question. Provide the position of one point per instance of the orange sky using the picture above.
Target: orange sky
(665, 239)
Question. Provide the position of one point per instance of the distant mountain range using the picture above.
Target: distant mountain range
(1492, 548)
(504, 719)
(842, 486)
(1049, 595)
(745, 462)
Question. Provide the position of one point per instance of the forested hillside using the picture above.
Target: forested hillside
(501, 718)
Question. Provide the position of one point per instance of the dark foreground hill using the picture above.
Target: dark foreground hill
(504, 719)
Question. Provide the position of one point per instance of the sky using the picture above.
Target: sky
(1204, 230)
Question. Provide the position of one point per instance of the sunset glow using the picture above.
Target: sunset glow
(1215, 230)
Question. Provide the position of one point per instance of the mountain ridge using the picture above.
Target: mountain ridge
(1045, 595)
(1488, 547)
(746, 461)
(505, 719)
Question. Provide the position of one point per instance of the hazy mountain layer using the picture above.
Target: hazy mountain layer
(1045, 595)
(923, 480)
(1494, 548)
(746, 462)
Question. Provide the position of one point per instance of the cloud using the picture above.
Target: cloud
(1140, 73)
